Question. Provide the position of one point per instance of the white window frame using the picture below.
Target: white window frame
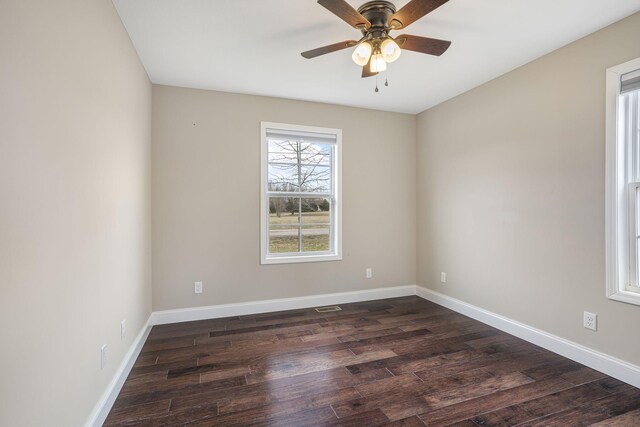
(621, 198)
(336, 203)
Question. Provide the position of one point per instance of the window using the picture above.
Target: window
(623, 182)
(301, 197)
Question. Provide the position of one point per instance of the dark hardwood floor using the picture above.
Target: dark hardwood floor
(397, 362)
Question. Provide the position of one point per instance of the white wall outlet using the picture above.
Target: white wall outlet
(590, 321)
(197, 287)
(368, 273)
(103, 356)
(443, 277)
(123, 329)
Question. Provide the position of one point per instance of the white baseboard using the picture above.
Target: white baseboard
(267, 306)
(609, 365)
(102, 408)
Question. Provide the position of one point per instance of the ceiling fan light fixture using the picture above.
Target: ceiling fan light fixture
(378, 64)
(390, 50)
(362, 53)
(375, 19)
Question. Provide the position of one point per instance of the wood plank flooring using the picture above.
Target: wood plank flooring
(396, 362)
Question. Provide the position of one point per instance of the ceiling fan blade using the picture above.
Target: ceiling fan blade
(328, 49)
(422, 44)
(366, 70)
(344, 11)
(413, 11)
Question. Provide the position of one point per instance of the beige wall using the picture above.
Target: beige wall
(206, 196)
(511, 194)
(75, 134)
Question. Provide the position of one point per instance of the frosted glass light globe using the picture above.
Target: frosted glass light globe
(390, 50)
(378, 63)
(362, 53)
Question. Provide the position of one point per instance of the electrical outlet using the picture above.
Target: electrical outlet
(443, 277)
(590, 321)
(123, 329)
(368, 273)
(197, 288)
(103, 356)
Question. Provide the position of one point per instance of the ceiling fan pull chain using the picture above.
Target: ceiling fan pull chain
(376, 83)
(386, 81)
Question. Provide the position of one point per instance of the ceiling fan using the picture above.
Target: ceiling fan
(375, 19)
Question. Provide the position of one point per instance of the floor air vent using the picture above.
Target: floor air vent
(328, 309)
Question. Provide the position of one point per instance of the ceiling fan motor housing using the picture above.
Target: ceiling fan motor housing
(377, 13)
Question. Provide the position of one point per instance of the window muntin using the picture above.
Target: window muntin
(300, 194)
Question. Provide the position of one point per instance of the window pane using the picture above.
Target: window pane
(284, 224)
(315, 240)
(637, 211)
(630, 118)
(316, 225)
(283, 178)
(315, 154)
(316, 211)
(315, 179)
(634, 281)
(283, 210)
(283, 240)
(283, 151)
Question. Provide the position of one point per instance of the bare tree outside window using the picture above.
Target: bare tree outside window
(299, 187)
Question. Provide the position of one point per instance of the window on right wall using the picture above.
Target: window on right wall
(623, 182)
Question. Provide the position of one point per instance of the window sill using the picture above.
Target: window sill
(298, 259)
(625, 296)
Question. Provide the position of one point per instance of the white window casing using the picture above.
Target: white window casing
(275, 136)
(622, 171)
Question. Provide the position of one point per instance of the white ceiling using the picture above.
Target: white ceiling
(253, 46)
